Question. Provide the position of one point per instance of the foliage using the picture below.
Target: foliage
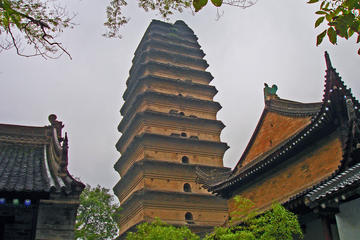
(35, 22)
(164, 8)
(97, 215)
(276, 223)
(342, 17)
(159, 230)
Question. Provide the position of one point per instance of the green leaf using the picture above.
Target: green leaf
(320, 12)
(322, 4)
(350, 3)
(329, 17)
(319, 21)
(326, 5)
(320, 38)
(354, 26)
(199, 4)
(217, 3)
(350, 32)
(312, 1)
(332, 35)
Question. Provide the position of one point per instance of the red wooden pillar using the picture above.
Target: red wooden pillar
(326, 228)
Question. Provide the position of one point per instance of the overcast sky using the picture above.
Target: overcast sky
(272, 42)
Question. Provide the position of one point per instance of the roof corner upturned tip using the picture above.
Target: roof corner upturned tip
(327, 60)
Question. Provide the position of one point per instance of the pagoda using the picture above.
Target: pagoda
(169, 129)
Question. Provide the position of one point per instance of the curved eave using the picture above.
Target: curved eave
(56, 163)
(165, 98)
(336, 185)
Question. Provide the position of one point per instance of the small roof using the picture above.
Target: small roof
(34, 160)
(338, 108)
(335, 185)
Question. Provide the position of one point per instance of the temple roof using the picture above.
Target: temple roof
(338, 111)
(34, 160)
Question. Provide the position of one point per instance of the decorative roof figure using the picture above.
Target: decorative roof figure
(270, 93)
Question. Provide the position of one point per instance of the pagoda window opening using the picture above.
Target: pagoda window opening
(187, 187)
(189, 218)
(185, 159)
(173, 111)
(180, 95)
(182, 113)
(183, 134)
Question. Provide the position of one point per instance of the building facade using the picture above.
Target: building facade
(38, 196)
(169, 127)
(305, 156)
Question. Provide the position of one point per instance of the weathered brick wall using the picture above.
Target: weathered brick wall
(56, 220)
(275, 128)
(307, 168)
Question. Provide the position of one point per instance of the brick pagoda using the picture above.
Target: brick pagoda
(169, 128)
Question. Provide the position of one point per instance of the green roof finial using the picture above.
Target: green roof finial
(270, 93)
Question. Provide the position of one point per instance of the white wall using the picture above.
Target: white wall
(348, 220)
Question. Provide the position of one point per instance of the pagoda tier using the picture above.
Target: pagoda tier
(171, 148)
(168, 85)
(155, 175)
(170, 124)
(161, 69)
(168, 103)
(169, 128)
(206, 211)
(176, 59)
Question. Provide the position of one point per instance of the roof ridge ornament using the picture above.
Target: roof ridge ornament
(270, 93)
(58, 125)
